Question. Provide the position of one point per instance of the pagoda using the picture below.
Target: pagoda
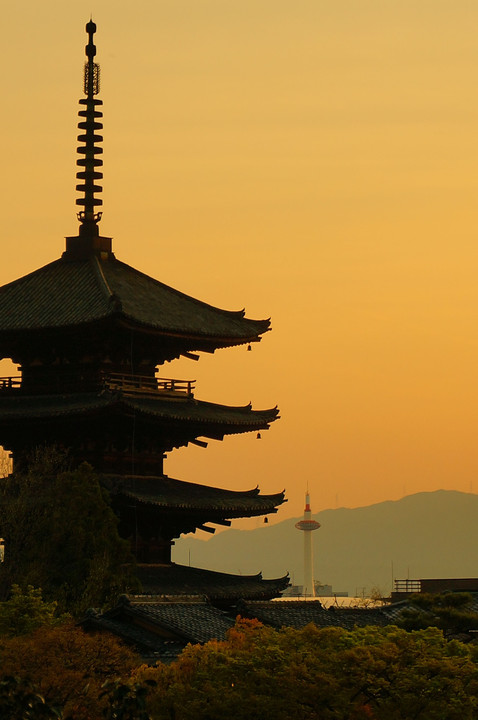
(89, 333)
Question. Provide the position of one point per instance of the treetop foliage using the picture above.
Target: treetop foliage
(326, 674)
(313, 674)
(25, 611)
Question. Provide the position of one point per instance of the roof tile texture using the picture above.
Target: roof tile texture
(69, 293)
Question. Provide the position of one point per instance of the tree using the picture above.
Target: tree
(318, 674)
(451, 612)
(61, 535)
(25, 611)
(68, 668)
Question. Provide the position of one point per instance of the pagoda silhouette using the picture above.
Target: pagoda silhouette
(89, 333)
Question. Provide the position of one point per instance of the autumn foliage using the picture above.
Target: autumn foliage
(66, 667)
(309, 674)
(319, 674)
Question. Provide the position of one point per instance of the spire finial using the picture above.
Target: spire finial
(90, 162)
(89, 241)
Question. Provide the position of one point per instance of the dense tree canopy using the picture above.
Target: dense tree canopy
(61, 535)
(319, 674)
(310, 674)
(64, 669)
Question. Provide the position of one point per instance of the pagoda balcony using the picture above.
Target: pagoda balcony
(146, 385)
(125, 383)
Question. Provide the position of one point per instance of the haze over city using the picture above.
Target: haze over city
(313, 162)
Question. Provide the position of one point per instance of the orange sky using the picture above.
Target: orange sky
(313, 161)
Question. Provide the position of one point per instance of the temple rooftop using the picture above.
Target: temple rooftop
(212, 420)
(221, 589)
(171, 494)
(66, 294)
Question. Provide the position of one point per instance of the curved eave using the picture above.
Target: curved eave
(224, 509)
(221, 587)
(142, 300)
(198, 341)
(209, 415)
(187, 419)
(73, 295)
(186, 340)
(190, 504)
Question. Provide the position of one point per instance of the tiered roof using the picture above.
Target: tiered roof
(185, 497)
(188, 415)
(222, 589)
(69, 294)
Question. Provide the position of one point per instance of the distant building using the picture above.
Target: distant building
(403, 588)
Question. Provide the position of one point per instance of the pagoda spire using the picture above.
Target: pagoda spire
(89, 162)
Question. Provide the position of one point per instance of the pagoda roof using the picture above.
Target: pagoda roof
(169, 494)
(201, 418)
(220, 588)
(68, 294)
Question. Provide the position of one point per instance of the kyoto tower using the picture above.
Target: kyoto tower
(307, 525)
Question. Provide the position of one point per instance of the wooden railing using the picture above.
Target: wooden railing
(145, 384)
(125, 383)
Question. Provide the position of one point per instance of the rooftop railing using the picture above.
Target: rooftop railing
(407, 586)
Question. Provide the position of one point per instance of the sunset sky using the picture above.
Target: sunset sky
(313, 161)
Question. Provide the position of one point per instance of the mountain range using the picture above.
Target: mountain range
(425, 535)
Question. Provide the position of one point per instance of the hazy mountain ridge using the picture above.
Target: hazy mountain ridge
(432, 534)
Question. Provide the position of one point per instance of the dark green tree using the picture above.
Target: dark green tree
(25, 611)
(61, 536)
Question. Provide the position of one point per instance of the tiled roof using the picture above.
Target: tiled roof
(139, 620)
(69, 293)
(192, 621)
(151, 646)
(299, 613)
(217, 587)
(157, 625)
(166, 492)
(208, 417)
